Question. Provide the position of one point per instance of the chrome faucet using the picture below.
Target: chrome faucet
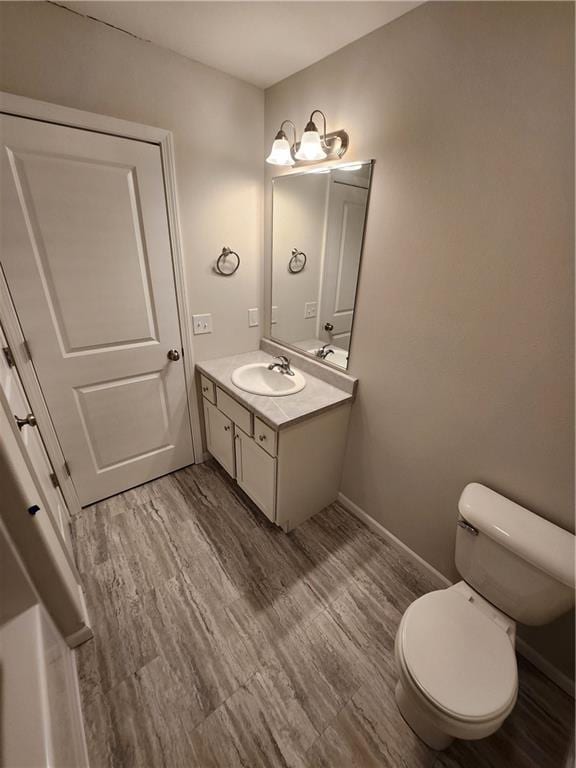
(323, 352)
(283, 366)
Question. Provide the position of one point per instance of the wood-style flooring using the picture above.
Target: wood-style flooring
(221, 642)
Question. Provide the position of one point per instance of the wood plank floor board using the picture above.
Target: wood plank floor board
(368, 733)
(221, 642)
(256, 728)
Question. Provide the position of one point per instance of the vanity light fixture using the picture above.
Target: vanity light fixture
(281, 153)
(312, 148)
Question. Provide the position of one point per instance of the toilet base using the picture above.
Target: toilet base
(419, 721)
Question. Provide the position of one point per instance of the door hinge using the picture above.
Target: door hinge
(67, 468)
(54, 480)
(9, 356)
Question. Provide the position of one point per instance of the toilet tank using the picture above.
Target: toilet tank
(521, 563)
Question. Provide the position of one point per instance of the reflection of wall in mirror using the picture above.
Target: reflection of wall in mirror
(299, 214)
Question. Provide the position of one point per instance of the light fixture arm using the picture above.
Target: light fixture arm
(313, 126)
(281, 131)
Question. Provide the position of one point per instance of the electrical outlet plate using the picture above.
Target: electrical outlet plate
(202, 324)
(310, 309)
(253, 317)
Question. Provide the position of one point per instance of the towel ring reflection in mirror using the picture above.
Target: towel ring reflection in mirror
(297, 261)
(223, 267)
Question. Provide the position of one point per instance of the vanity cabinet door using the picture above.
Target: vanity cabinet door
(256, 474)
(220, 437)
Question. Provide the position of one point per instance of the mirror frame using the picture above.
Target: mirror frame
(270, 281)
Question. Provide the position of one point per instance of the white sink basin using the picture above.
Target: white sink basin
(257, 379)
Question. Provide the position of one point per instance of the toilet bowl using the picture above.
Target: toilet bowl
(457, 673)
(456, 666)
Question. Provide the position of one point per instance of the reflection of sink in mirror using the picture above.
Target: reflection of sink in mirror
(335, 355)
(320, 217)
(258, 379)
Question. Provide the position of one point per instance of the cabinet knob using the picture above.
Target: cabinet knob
(261, 438)
(227, 428)
(204, 389)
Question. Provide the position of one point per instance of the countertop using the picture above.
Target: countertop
(278, 412)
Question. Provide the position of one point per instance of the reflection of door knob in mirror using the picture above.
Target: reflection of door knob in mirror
(29, 421)
(173, 355)
(328, 327)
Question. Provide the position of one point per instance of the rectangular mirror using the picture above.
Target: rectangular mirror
(318, 222)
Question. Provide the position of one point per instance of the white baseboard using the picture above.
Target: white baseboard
(82, 725)
(81, 636)
(548, 669)
(535, 658)
(385, 533)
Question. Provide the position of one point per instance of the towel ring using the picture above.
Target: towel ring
(222, 260)
(297, 261)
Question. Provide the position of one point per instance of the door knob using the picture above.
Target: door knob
(328, 327)
(173, 355)
(29, 421)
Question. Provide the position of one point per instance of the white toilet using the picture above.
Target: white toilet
(455, 647)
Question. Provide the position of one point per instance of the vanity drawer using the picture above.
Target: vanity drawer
(239, 415)
(208, 389)
(265, 436)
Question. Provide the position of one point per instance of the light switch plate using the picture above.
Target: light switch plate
(310, 309)
(253, 317)
(274, 318)
(202, 324)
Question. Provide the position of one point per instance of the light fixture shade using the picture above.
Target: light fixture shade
(280, 154)
(310, 147)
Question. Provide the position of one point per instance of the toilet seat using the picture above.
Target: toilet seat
(458, 658)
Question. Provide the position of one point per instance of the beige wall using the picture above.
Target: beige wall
(463, 339)
(49, 53)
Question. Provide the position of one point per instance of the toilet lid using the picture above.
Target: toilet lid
(462, 660)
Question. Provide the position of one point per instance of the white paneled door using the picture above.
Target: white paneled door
(344, 233)
(86, 252)
(13, 397)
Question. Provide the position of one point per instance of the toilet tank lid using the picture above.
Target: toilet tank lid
(531, 537)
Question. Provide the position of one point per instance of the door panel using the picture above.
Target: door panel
(109, 410)
(220, 437)
(256, 474)
(87, 257)
(108, 248)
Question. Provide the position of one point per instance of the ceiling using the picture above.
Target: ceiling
(260, 42)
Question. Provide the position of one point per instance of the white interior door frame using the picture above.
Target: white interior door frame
(20, 106)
